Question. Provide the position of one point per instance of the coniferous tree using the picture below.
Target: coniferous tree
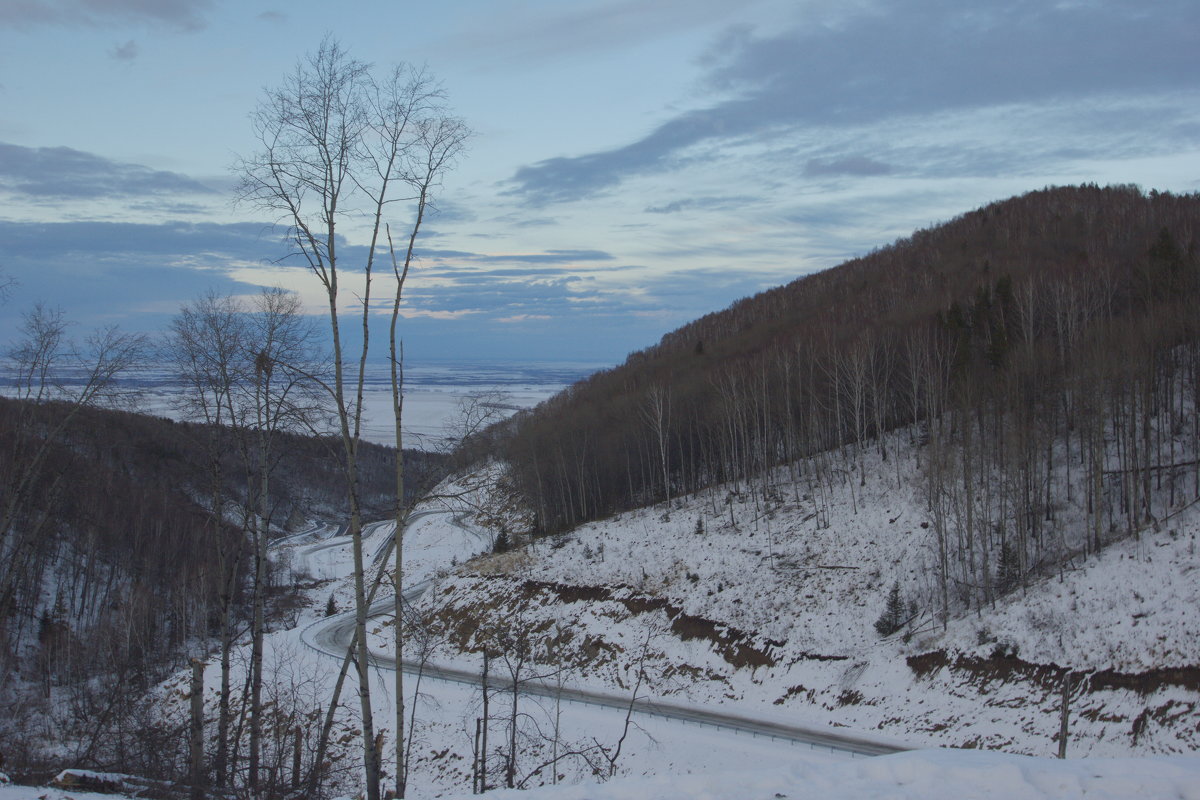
(893, 617)
(1008, 569)
(502, 544)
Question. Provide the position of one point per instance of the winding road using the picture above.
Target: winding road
(333, 635)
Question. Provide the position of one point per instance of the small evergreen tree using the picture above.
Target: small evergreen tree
(330, 607)
(893, 617)
(1008, 569)
(502, 544)
(699, 526)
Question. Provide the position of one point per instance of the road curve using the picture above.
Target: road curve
(333, 635)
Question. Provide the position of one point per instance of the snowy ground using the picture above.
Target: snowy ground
(780, 598)
(445, 712)
(918, 775)
(780, 581)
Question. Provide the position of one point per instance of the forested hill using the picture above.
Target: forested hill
(112, 557)
(1057, 328)
(1037, 240)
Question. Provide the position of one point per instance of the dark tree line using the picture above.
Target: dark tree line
(1043, 351)
(113, 570)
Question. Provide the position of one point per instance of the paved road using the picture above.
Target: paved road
(333, 635)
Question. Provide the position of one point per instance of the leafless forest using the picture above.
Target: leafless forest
(1053, 331)
(114, 563)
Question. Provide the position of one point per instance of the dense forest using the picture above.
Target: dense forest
(116, 567)
(1042, 351)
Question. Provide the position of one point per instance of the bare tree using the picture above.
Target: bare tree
(277, 351)
(246, 367)
(51, 368)
(334, 142)
(423, 157)
(656, 411)
(203, 345)
(7, 282)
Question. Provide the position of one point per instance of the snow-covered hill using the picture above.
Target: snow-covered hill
(768, 602)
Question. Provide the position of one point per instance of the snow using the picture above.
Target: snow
(799, 574)
(432, 393)
(11, 792)
(917, 775)
(811, 573)
(803, 577)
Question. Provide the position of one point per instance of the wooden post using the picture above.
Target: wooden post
(483, 743)
(475, 766)
(197, 729)
(1066, 713)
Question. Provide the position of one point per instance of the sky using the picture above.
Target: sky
(633, 165)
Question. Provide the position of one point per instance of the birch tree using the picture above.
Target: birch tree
(338, 148)
(435, 142)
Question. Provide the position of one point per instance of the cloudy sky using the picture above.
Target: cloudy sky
(635, 164)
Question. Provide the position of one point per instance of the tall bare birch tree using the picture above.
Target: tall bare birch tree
(437, 141)
(338, 148)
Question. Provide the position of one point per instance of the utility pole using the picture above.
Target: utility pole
(1066, 714)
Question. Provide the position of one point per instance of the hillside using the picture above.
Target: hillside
(1043, 351)
(923, 493)
(770, 607)
(1022, 306)
(661, 760)
(115, 564)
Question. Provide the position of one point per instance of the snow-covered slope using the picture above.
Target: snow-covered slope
(765, 604)
(768, 601)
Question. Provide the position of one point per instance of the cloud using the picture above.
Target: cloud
(702, 203)
(851, 165)
(570, 178)
(547, 257)
(100, 272)
(421, 313)
(139, 274)
(65, 173)
(534, 222)
(184, 15)
(273, 17)
(903, 59)
(516, 318)
(125, 52)
(569, 29)
(65, 242)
